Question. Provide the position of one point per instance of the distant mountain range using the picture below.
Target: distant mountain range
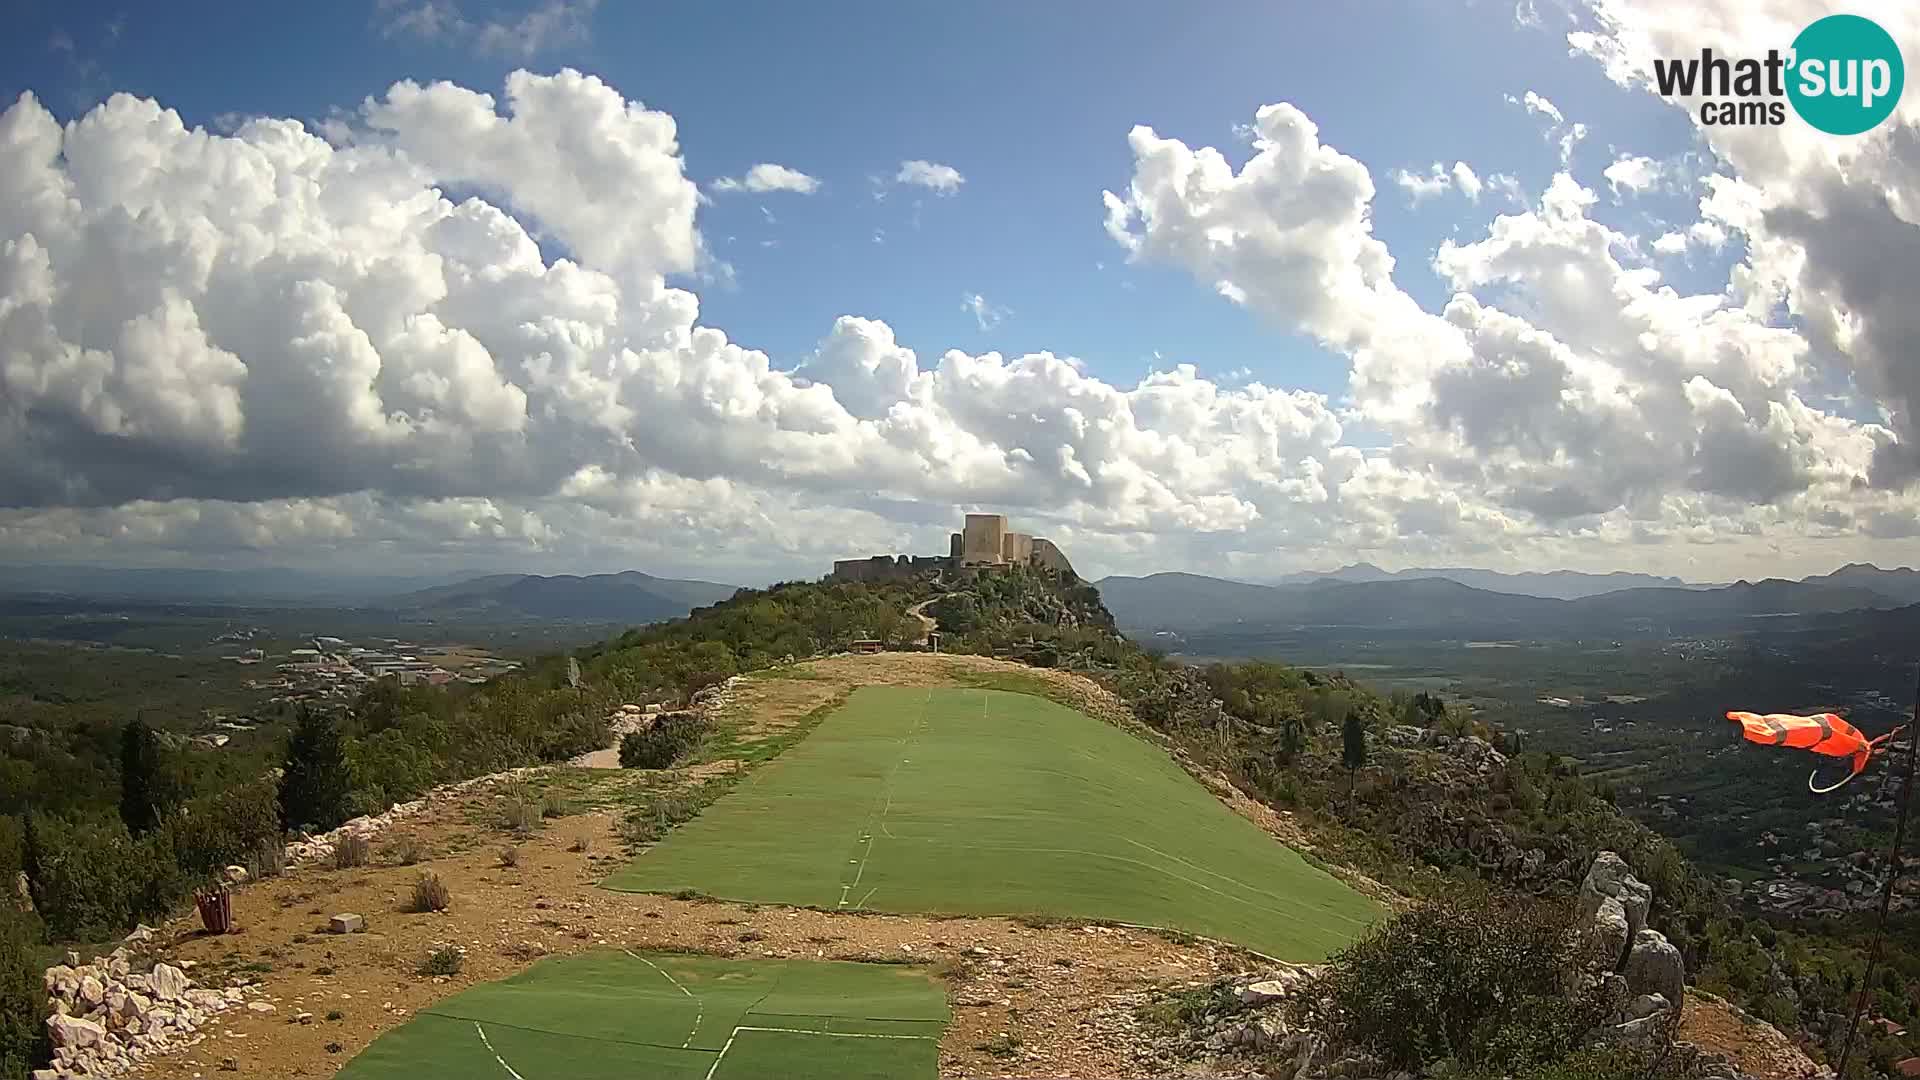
(1439, 605)
(264, 586)
(629, 597)
(1555, 584)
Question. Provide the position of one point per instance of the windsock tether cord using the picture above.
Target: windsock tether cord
(1886, 889)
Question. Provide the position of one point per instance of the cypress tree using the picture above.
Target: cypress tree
(140, 782)
(314, 783)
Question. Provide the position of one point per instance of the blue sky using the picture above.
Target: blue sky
(1031, 102)
(1582, 356)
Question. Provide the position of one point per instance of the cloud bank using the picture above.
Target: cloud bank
(276, 345)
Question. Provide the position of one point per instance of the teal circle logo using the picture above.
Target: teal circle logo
(1846, 74)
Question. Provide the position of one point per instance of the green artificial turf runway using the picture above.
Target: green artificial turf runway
(621, 1015)
(981, 802)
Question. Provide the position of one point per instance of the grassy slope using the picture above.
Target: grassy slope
(616, 1015)
(982, 802)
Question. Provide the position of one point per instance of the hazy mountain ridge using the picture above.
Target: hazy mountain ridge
(629, 596)
(1551, 584)
(1188, 602)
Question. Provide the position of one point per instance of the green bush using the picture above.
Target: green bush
(650, 820)
(444, 960)
(231, 827)
(1464, 977)
(23, 1000)
(11, 840)
(672, 737)
(92, 881)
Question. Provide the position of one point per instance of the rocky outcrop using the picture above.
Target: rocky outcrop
(1641, 968)
(1654, 967)
(108, 1016)
(1612, 908)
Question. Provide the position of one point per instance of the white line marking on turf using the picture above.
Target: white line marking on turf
(699, 1007)
(496, 1054)
(906, 745)
(711, 1069)
(835, 1034)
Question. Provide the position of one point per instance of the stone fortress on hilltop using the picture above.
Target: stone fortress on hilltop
(985, 545)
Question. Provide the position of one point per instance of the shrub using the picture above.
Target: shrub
(407, 851)
(650, 820)
(269, 860)
(509, 857)
(351, 850)
(232, 826)
(336, 1014)
(429, 894)
(1462, 977)
(91, 881)
(521, 812)
(444, 960)
(23, 1000)
(554, 805)
(673, 736)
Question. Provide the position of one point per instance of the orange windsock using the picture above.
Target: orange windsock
(1822, 733)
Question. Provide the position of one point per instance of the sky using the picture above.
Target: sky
(734, 289)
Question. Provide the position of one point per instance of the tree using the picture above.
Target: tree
(23, 998)
(1353, 752)
(140, 781)
(316, 780)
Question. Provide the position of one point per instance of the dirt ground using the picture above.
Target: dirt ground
(1024, 999)
(1758, 1049)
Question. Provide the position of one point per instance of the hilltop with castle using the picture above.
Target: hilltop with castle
(985, 545)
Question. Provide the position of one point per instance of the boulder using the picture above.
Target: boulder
(1655, 967)
(1644, 1032)
(92, 993)
(235, 875)
(75, 1033)
(1405, 735)
(1253, 1035)
(61, 980)
(1609, 932)
(169, 983)
(1264, 992)
(1610, 876)
(1647, 1005)
(346, 923)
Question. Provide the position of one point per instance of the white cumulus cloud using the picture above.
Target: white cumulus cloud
(769, 177)
(940, 179)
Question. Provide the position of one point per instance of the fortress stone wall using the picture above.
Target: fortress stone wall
(984, 544)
